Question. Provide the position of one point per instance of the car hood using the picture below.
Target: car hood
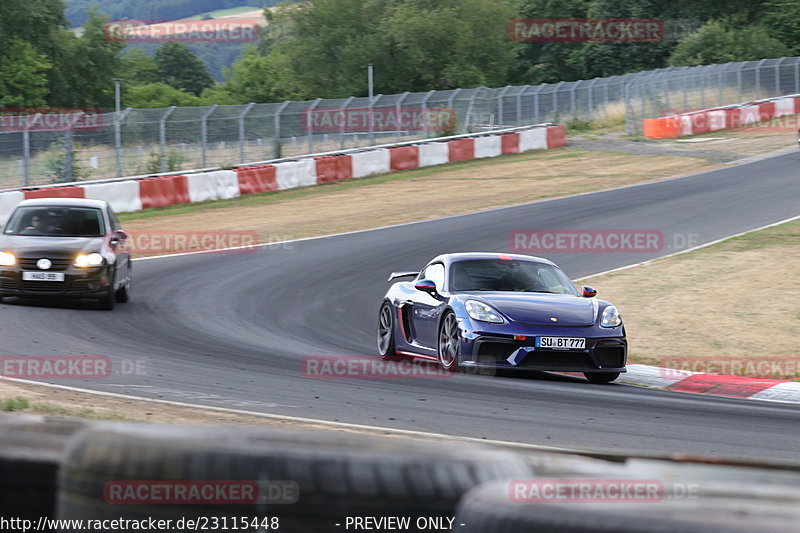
(541, 308)
(29, 246)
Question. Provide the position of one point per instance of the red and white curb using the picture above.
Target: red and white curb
(654, 377)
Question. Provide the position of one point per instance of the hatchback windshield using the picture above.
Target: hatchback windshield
(56, 222)
(505, 275)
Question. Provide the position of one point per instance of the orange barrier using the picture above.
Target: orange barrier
(163, 191)
(404, 157)
(55, 192)
(327, 169)
(509, 143)
(344, 167)
(556, 136)
(461, 150)
(253, 180)
(661, 128)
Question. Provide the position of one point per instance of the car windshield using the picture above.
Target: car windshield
(509, 275)
(56, 222)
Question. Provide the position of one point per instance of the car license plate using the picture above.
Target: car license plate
(561, 343)
(43, 276)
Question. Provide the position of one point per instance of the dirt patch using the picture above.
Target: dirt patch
(419, 194)
(718, 305)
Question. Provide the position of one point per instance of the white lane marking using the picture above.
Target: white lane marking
(266, 244)
(698, 247)
(285, 418)
(194, 395)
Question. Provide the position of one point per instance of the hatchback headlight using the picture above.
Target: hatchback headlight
(481, 311)
(7, 259)
(611, 317)
(89, 260)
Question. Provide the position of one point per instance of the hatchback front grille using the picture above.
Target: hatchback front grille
(29, 263)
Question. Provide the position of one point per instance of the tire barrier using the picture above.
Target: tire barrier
(134, 194)
(31, 449)
(721, 118)
(334, 475)
(508, 507)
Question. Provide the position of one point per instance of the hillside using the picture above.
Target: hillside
(160, 10)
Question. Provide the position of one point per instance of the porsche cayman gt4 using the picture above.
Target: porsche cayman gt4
(506, 311)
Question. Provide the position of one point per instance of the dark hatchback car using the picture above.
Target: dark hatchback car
(65, 248)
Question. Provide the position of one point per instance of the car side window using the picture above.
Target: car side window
(112, 217)
(435, 273)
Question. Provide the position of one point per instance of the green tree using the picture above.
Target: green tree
(23, 76)
(322, 48)
(138, 68)
(152, 95)
(181, 69)
(782, 17)
(714, 43)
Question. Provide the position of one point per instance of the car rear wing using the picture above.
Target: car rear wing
(396, 275)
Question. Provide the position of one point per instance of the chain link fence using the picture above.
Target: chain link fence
(149, 141)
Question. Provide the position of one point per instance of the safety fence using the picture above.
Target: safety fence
(136, 193)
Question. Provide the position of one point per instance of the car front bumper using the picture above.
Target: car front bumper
(93, 282)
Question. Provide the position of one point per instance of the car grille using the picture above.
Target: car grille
(29, 263)
(610, 356)
(559, 359)
(43, 286)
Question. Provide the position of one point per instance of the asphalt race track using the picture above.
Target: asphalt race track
(230, 330)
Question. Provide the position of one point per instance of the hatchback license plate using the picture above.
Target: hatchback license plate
(43, 276)
(561, 343)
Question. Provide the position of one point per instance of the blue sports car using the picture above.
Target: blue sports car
(489, 310)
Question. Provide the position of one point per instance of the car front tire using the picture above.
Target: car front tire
(449, 346)
(386, 341)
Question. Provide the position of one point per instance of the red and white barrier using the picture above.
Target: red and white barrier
(371, 162)
(8, 201)
(431, 154)
(717, 119)
(217, 185)
(490, 146)
(291, 174)
(159, 191)
(122, 195)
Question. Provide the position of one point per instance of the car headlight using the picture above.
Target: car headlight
(89, 260)
(481, 311)
(611, 317)
(7, 259)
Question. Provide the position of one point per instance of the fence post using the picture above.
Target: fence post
(500, 95)
(342, 128)
(277, 143)
(398, 109)
(425, 112)
(450, 105)
(310, 125)
(68, 155)
(536, 104)
(797, 75)
(758, 79)
(555, 100)
(162, 137)
(739, 82)
(242, 132)
(519, 104)
(778, 76)
(118, 143)
(590, 99)
(26, 156)
(468, 116)
(204, 135)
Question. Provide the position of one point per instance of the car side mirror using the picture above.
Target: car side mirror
(117, 237)
(589, 292)
(426, 285)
